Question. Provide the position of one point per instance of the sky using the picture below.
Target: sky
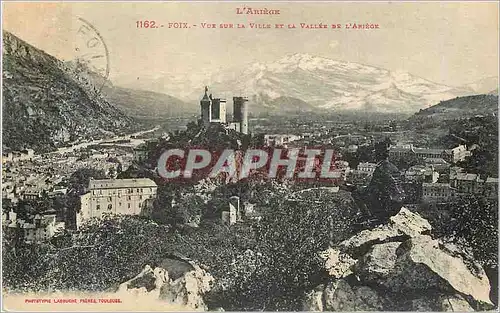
(452, 43)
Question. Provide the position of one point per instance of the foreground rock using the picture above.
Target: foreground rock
(175, 281)
(400, 227)
(399, 267)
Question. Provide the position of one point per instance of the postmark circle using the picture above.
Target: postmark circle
(90, 64)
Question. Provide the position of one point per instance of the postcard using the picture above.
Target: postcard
(250, 156)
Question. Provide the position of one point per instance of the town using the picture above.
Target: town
(432, 176)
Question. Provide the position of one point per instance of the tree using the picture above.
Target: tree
(79, 180)
(103, 253)
(284, 261)
(404, 162)
(473, 220)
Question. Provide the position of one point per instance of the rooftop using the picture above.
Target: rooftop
(435, 185)
(367, 164)
(121, 183)
(467, 176)
(428, 151)
(399, 149)
(435, 160)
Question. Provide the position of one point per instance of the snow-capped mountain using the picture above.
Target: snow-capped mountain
(324, 84)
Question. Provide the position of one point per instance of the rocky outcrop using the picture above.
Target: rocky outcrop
(399, 266)
(175, 282)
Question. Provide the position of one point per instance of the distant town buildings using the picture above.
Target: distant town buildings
(438, 164)
(43, 228)
(460, 183)
(367, 167)
(280, 139)
(362, 174)
(421, 173)
(40, 228)
(116, 196)
(15, 156)
(213, 110)
(437, 192)
(459, 153)
(466, 182)
(473, 183)
(141, 153)
(47, 174)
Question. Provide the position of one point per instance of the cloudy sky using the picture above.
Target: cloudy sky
(453, 43)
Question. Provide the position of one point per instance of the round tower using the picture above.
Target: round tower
(240, 113)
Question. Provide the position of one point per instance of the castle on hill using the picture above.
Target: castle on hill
(213, 110)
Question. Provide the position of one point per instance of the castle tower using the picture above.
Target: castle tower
(240, 113)
(218, 110)
(205, 108)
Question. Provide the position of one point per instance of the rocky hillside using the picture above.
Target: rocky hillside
(45, 105)
(462, 107)
(400, 267)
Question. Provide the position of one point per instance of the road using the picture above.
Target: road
(133, 142)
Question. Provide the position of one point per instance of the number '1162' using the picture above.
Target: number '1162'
(146, 24)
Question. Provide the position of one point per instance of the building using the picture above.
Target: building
(360, 178)
(31, 193)
(116, 196)
(240, 114)
(466, 182)
(15, 156)
(362, 174)
(453, 155)
(421, 173)
(9, 218)
(42, 229)
(397, 151)
(367, 167)
(439, 164)
(280, 139)
(233, 214)
(456, 154)
(462, 183)
(428, 153)
(437, 192)
(491, 188)
(213, 110)
(141, 153)
(218, 110)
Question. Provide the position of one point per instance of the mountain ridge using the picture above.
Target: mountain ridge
(45, 106)
(323, 83)
(145, 103)
(461, 107)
